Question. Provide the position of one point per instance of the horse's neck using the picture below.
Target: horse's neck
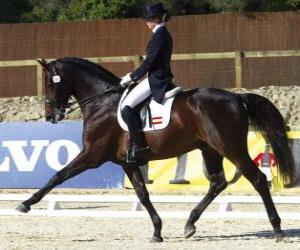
(91, 94)
(84, 91)
(105, 103)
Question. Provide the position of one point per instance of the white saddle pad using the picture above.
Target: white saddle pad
(160, 113)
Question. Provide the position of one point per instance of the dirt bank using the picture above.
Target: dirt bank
(287, 100)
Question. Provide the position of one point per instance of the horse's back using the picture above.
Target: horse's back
(210, 99)
(212, 114)
(221, 107)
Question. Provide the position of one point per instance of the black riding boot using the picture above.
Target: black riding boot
(137, 146)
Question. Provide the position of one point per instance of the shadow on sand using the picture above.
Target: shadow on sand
(267, 234)
(291, 235)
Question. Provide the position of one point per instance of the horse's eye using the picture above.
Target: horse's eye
(49, 83)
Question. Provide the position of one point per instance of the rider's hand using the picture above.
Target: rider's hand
(126, 80)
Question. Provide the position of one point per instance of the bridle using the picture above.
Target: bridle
(89, 99)
(60, 106)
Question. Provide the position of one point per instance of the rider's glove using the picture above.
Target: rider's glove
(126, 80)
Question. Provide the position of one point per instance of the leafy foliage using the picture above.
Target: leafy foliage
(10, 11)
(60, 10)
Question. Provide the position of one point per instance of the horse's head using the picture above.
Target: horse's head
(68, 76)
(57, 91)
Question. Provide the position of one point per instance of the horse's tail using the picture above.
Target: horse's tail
(266, 118)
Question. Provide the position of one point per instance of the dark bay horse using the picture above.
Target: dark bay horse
(212, 120)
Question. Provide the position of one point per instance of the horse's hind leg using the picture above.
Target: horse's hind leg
(213, 161)
(259, 182)
(136, 178)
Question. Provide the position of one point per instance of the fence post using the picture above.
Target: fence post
(39, 80)
(137, 60)
(238, 69)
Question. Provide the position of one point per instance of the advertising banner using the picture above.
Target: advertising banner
(32, 152)
(188, 172)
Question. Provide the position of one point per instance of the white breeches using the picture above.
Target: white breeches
(138, 94)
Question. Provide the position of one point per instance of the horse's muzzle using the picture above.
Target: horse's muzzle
(51, 119)
(55, 119)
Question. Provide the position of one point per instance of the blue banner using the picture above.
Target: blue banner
(32, 152)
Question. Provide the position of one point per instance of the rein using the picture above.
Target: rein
(90, 99)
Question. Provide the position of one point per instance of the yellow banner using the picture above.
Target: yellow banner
(187, 172)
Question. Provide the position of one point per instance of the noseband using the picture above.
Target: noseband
(59, 107)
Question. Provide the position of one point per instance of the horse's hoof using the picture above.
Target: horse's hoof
(189, 231)
(22, 208)
(279, 236)
(156, 239)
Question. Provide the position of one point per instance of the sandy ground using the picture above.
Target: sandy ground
(38, 232)
(103, 233)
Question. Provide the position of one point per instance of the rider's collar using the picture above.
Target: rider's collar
(157, 26)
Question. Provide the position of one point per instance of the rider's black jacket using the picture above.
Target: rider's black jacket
(157, 64)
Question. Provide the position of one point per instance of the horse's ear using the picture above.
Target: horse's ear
(44, 64)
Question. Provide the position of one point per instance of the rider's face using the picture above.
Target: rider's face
(152, 22)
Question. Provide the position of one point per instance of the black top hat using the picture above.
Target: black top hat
(153, 10)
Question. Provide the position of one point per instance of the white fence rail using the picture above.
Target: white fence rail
(225, 206)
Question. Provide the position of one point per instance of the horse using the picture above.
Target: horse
(212, 120)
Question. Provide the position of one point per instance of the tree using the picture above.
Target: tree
(241, 6)
(190, 7)
(61, 10)
(10, 11)
(44, 10)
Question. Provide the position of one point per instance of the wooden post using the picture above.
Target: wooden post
(137, 60)
(39, 80)
(238, 69)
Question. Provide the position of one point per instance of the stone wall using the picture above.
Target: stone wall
(287, 100)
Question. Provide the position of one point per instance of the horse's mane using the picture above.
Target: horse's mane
(93, 68)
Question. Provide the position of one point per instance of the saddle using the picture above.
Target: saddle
(154, 115)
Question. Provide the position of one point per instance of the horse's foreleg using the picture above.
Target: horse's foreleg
(135, 176)
(213, 162)
(81, 163)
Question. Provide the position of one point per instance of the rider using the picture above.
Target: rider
(159, 77)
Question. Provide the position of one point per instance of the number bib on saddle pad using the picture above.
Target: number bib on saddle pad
(159, 113)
